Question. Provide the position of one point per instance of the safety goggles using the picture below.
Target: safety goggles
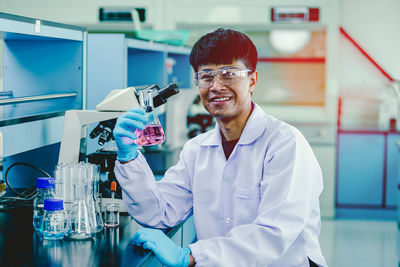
(227, 76)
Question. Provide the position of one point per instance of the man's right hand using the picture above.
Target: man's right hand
(124, 133)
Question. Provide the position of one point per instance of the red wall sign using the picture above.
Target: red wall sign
(294, 14)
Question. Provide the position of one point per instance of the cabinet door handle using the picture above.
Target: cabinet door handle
(6, 93)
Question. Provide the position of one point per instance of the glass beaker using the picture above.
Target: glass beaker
(81, 226)
(112, 215)
(153, 132)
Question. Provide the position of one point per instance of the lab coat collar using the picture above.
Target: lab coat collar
(253, 129)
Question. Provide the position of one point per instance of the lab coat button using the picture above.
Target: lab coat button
(226, 178)
(227, 220)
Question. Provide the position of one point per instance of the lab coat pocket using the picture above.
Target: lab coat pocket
(247, 201)
(247, 193)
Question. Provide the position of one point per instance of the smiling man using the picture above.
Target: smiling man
(252, 184)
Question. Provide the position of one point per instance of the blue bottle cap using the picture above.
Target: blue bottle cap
(53, 204)
(45, 182)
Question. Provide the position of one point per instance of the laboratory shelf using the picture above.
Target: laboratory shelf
(116, 61)
(18, 27)
(145, 67)
(42, 74)
(145, 45)
(40, 68)
(178, 50)
(42, 63)
(179, 69)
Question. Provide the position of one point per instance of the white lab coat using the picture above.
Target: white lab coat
(258, 208)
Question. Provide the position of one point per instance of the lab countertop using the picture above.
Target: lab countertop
(20, 245)
(367, 131)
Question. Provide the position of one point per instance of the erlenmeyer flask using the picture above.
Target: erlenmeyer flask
(81, 227)
(94, 209)
(153, 132)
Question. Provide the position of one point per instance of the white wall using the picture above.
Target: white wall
(228, 12)
(77, 12)
(375, 25)
(162, 14)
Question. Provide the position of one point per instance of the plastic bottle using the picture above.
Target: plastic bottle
(54, 219)
(45, 187)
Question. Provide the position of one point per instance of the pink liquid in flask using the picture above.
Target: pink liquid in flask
(151, 135)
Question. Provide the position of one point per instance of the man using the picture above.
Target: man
(252, 183)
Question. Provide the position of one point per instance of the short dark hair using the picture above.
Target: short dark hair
(223, 46)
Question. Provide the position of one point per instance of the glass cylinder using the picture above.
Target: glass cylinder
(94, 209)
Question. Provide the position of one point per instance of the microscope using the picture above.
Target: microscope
(114, 105)
(104, 129)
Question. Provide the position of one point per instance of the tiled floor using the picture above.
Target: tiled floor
(353, 243)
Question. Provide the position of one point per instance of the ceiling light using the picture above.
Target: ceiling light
(289, 41)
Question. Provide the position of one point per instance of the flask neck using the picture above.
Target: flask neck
(149, 109)
(146, 99)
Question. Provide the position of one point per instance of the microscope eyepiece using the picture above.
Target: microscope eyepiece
(165, 93)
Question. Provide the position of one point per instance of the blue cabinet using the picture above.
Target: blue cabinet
(145, 63)
(367, 170)
(178, 68)
(106, 66)
(116, 61)
(360, 169)
(42, 74)
(392, 169)
(43, 67)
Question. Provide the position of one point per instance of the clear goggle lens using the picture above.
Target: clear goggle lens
(205, 79)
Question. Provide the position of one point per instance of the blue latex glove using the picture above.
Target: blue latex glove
(124, 133)
(164, 248)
